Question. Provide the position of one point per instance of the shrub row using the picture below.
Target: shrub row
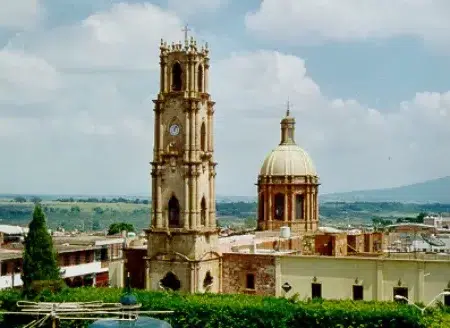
(230, 311)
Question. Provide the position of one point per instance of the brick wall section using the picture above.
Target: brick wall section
(236, 266)
(355, 243)
(331, 244)
(135, 265)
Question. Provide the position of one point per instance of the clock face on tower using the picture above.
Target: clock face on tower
(174, 130)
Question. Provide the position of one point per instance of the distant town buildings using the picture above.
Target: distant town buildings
(85, 260)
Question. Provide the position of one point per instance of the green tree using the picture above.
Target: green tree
(20, 199)
(250, 222)
(39, 256)
(118, 227)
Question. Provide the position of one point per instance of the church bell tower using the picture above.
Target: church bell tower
(183, 252)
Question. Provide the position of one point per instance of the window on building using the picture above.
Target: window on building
(170, 281)
(66, 259)
(98, 255)
(174, 212)
(279, 207)
(316, 290)
(77, 258)
(447, 298)
(203, 137)
(250, 281)
(203, 211)
(176, 77)
(402, 292)
(200, 78)
(299, 207)
(207, 282)
(261, 208)
(4, 266)
(104, 253)
(358, 293)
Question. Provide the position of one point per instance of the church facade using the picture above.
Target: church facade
(183, 249)
(183, 236)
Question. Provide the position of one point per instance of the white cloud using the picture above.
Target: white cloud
(353, 146)
(78, 115)
(19, 14)
(122, 38)
(195, 7)
(25, 78)
(308, 21)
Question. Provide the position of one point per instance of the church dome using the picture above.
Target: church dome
(288, 159)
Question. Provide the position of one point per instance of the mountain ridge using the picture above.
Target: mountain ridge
(430, 191)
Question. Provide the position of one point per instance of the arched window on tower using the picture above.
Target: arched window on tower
(203, 211)
(299, 207)
(174, 212)
(203, 137)
(279, 206)
(176, 77)
(170, 281)
(208, 281)
(261, 208)
(200, 78)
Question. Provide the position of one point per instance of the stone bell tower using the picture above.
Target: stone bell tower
(183, 236)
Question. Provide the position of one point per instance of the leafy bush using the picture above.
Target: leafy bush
(230, 311)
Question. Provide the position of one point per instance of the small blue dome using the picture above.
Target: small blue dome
(128, 299)
(141, 322)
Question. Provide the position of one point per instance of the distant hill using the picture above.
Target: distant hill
(431, 191)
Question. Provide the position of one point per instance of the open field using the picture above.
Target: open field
(94, 215)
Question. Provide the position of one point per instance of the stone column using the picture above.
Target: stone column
(191, 132)
(192, 196)
(220, 274)
(270, 212)
(196, 132)
(213, 208)
(379, 283)
(186, 198)
(192, 78)
(294, 205)
(211, 200)
(211, 129)
(166, 78)
(186, 75)
(286, 207)
(153, 221)
(419, 292)
(206, 73)
(265, 203)
(187, 133)
(192, 282)
(159, 219)
(196, 200)
(278, 276)
(310, 206)
(148, 285)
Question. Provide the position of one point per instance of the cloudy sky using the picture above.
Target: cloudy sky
(369, 81)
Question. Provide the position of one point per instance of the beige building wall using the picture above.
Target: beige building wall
(116, 273)
(424, 279)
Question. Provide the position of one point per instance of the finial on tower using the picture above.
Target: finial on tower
(288, 107)
(186, 29)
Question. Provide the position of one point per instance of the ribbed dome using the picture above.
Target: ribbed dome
(288, 160)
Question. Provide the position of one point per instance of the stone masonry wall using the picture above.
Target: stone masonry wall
(237, 267)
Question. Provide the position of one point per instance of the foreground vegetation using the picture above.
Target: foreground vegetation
(98, 214)
(208, 311)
